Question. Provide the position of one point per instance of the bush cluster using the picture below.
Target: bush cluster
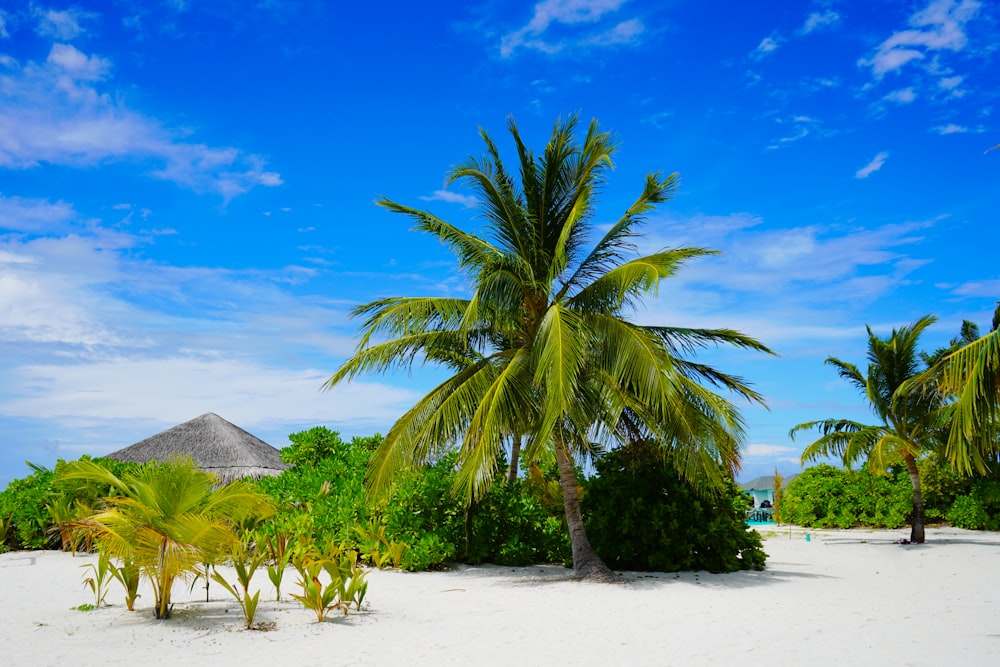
(642, 516)
(824, 496)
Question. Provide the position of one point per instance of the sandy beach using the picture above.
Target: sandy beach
(839, 597)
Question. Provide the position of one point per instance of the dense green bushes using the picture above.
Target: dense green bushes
(825, 496)
(642, 516)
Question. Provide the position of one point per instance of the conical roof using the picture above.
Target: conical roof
(216, 445)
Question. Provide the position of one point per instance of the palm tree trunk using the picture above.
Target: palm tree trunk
(917, 521)
(515, 453)
(586, 563)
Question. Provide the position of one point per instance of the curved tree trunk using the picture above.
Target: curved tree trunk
(586, 563)
(917, 521)
(515, 454)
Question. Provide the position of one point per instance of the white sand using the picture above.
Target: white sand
(844, 597)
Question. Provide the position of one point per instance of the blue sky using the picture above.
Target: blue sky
(186, 191)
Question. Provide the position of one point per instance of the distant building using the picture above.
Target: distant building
(761, 489)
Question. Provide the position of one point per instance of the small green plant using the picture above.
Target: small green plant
(86, 606)
(279, 551)
(377, 548)
(128, 575)
(100, 576)
(346, 580)
(246, 561)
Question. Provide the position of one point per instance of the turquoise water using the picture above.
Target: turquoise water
(761, 523)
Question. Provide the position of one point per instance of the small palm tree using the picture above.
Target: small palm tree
(167, 519)
(543, 348)
(909, 418)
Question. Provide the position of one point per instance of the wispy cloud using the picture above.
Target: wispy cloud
(802, 127)
(874, 165)
(58, 112)
(577, 23)
(467, 201)
(767, 450)
(901, 96)
(3, 25)
(819, 21)
(950, 128)
(938, 27)
(767, 46)
(61, 24)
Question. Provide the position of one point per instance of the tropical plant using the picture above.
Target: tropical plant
(642, 516)
(279, 551)
(167, 519)
(552, 353)
(101, 573)
(971, 376)
(345, 579)
(246, 560)
(128, 575)
(909, 418)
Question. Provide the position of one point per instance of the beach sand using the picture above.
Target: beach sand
(842, 597)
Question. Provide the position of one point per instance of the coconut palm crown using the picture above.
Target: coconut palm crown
(543, 348)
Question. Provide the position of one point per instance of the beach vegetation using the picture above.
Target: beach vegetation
(246, 559)
(329, 577)
(100, 575)
(641, 515)
(544, 348)
(166, 518)
(128, 575)
(968, 375)
(909, 418)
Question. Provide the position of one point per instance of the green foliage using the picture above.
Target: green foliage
(827, 497)
(128, 575)
(327, 482)
(642, 516)
(167, 518)
(345, 580)
(420, 525)
(23, 509)
(980, 509)
(246, 561)
(100, 576)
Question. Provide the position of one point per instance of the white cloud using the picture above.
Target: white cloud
(54, 112)
(950, 128)
(3, 25)
(63, 25)
(467, 201)
(901, 96)
(819, 20)
(938, 27)
(874, 165)
(767, 450)
(767, 46)
(34, 215)
(978, 288)
(951, 82)
(550, 15)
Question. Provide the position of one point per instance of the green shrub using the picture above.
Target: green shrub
(978, 510)
(23, 506)
(641, 516)
(827, 497)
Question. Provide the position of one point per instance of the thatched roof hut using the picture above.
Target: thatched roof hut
(216, 445)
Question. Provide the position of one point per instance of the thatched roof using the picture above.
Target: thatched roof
(216, 445)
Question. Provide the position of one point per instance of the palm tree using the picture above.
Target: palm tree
(167, 519)
(971, 374)
(909, 417)
(547, 352)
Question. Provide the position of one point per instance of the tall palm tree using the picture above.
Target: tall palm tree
(550, 354)
(166, 518)
(909, 418)
(971, 374)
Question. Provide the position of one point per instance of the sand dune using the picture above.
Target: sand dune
(854, 597)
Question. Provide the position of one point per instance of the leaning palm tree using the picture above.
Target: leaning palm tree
(545, 345)
(168, 519)
(909, 418)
